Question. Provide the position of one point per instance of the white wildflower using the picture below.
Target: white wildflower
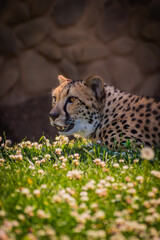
(147, 153)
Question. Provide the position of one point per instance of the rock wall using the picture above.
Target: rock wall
(117, 39)
(39, 39)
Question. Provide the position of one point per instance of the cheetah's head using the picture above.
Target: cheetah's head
(77, 105)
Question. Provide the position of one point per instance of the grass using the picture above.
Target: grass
(66, 190)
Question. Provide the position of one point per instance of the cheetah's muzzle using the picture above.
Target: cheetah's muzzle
(65, 128)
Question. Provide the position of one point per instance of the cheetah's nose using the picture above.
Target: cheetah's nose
(53, 115)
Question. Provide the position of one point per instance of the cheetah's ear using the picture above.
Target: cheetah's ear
(95, 83)
(62, 79)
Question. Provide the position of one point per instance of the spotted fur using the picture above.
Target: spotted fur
(97, 111)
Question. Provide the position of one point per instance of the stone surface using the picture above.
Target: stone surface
(151, 86)
(86, 52)
(69, 69)
(49, 50)
(67, 12)
(1, 63)
(15, 12)
(154, 10)
(38, 74)
(152, 31)
(33, 32)
(39, 7)
(8, 43)
(27, 120)
(112, 22)
(70, 37)
(147, 57)
(125, 74)
(123, 45)
(96, 68)
(137, 2)
(136, 25)
(92, 12)
(11, 99)
(9, 76)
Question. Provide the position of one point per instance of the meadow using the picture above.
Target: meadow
(73, 190)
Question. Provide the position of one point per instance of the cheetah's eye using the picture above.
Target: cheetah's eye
(53, 99)
(71, 99)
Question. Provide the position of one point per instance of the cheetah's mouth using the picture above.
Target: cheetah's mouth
(65, 128)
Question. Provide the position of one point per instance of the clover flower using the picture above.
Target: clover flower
(31, 236)
(96, 234)
(155, 173)
(116, 165)
(61, 158)
(110, 179)
(117, 236)
(132, 191)
(79, 228)
(136, 160)
(31, 167)
(75, 174)
(140, 179)
(99, 215)
(40, 171)
(42, 214)
(41, 233)
(70, 191)
(76, 155)
(76, 162)
(37, 192)
(64, 237)
(58, 151)
(55, 166)
(125, 167)
(35, 144)
(43, 186)
(130, 184)
(38, 162)
(21, 217)
(50, 232)
(151, 210)
(118, 196)
(29, 211)
(103, 164)
(57, 199)
(84, 196)
(101, 192)
(81, 218)
(151, 194)
(2, 160)
(17, 157)
(83, 206)
(97, 161)
(89, 185)
(121, 160)
(149, 219)
(63, 165)
(25, 191)
(47, 156)
(8, 143)
(147, 153)
(2, 213)
(94, 206)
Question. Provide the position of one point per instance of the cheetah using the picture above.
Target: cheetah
(97, 111)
